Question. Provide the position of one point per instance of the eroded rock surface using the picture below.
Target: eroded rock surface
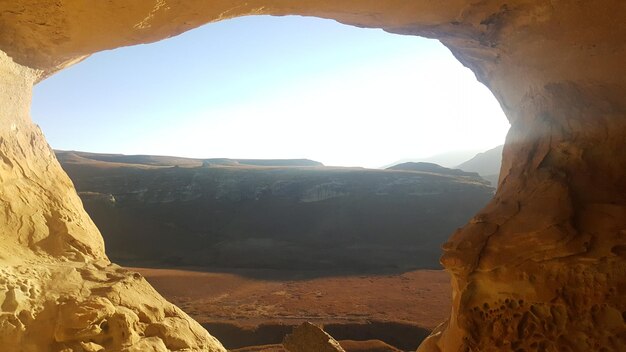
(91, 307)
(543, 267)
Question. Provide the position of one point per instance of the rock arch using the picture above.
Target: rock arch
(542, 267)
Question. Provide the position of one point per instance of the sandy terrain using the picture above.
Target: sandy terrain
(419, 297)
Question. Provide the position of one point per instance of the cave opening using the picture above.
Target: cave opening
(143, 105)
(538, 268)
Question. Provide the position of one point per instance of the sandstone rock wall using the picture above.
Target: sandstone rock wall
(41, 213)
(541, 268)
(58, 291)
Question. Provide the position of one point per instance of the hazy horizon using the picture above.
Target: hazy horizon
(449, 159)
(273, 88)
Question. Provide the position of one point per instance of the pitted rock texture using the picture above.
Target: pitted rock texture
(543, 266)
(91, 307)
(58, 291)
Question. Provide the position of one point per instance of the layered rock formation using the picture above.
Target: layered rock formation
(151, 212)
(543, 267)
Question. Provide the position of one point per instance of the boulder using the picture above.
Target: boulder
(309, 337)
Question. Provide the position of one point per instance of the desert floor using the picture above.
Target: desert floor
(231, 302)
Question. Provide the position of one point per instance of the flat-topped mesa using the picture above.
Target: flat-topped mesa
(543, 267)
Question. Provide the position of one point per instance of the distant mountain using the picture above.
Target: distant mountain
(238, 215)
(448, 159)
(486, 164)
(435, 169)
(170, 161)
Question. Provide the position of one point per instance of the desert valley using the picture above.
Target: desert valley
(271, 244)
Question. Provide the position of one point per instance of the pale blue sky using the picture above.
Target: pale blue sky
(272, 87)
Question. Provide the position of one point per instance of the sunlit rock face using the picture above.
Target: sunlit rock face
(542, 268)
